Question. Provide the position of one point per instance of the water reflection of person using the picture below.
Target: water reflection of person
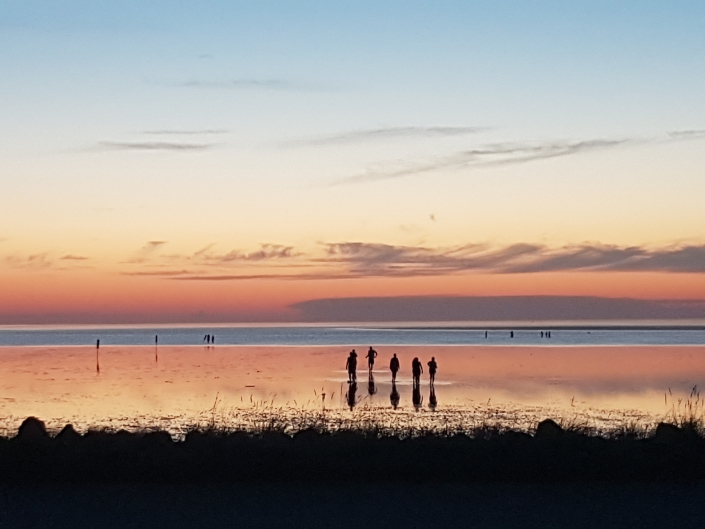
(352, 389)
(351, 366)
(394, 396)
(416, 397)
(371, 388)
(416, 370)
(394, 367)
(432, 401)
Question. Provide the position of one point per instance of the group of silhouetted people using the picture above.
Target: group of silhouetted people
(416, 367)
(394, 366)
(209, 338)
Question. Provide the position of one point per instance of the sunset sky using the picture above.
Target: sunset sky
(170, 161)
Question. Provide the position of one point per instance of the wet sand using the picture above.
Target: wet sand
(174, 387)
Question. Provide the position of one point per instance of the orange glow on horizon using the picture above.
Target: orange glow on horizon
(95, 292)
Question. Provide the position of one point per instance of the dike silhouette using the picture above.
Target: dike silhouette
(550, 455)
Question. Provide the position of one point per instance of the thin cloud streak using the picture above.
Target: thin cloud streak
(154, 146)
(387, 133)
(240, 84)
(205, 257)
(686, 134)
(494, 154)
(196, 132)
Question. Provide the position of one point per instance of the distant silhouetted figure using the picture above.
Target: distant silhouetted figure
(97, 344)
(371, 355)
(416, 397)
(432, 367)
(541, 334)
(511, 334)
(212, 338)
(394, 367)
(156, 339)
(485, 334)
(352, 389)
(351, 366)
(549, 334)
(371, 388)
(394, 396)
(416, 370)
(432, 401)
(207, 338)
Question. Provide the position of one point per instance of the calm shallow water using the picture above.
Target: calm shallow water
(177, 387)
(446, 334)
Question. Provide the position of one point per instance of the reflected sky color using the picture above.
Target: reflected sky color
(174, 387)
(222, 161)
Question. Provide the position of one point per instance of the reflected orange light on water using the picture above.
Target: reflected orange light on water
(139, 386)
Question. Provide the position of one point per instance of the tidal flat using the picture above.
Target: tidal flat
(604, 389)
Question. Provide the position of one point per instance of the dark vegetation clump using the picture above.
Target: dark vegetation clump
(551, 453)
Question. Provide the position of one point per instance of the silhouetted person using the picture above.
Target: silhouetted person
(485, 334)
(416, 397)
(416, 370)
(156, 339)
(212, 338)
(394, 367)
(432, 402)
(371, 388)
(371, 355)
(352, 389)
(207, 338)
(541, 334)
(394, 396)
(511, 334)
(351, 366)
(432, 367)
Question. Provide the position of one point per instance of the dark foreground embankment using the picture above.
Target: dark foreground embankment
(550, 456)
(354, 505)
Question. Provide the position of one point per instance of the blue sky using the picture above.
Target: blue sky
(227, 130)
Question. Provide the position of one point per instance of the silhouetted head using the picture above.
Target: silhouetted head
(433, 359)
(395, 355)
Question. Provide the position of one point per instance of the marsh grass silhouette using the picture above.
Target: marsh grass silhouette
(356, 451)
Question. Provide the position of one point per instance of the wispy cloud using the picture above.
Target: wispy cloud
(70, 257)
(186, 132)
(488, 155)
(146, 252)
(39, 261)
(154, 146)
(207, 259)
(240, 84)
(359, 136)
(349, 260)
(362, 259)
(686, 134)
